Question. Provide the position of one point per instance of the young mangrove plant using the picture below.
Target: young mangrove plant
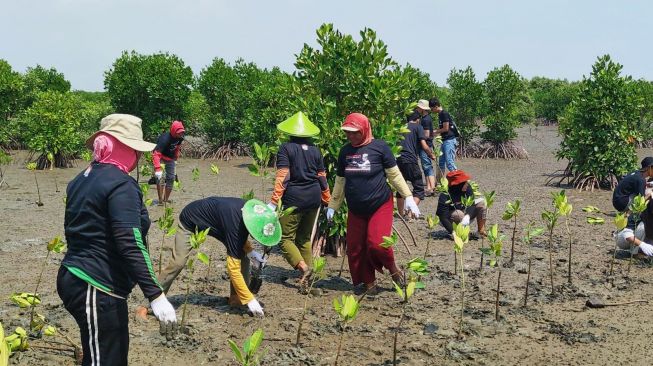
(550, 218)
(620, 221)
(195, 174)
(494, 251)
(145, 189)
(416, 268)
(166, 224)
(4, 348)
(55, 245)
(17, 341)
(317, 274)
(512, 213)
(637, 207)
(431, 222)
(196, 240)
(347, 309)
(32, 167)
(531, 233)
(489, 198)
(565, 208)
(260, 163)
(460, 238)
(5, 159)
(249, 355)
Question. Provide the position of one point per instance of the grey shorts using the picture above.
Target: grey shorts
(169, 178)
(621, 237)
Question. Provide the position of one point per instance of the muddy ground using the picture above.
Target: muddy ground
(552, 330)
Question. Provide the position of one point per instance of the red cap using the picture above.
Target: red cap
(177, 128)
(457, 177)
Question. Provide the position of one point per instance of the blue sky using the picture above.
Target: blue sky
(537, 38)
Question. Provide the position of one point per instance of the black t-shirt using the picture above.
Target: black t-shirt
(453, 201)
(427, 125)
(410, 145)
(443, 117)
(105, 225)
(303, 161)
(166, 145)
(364, 167)
(631, 185)
(223, 216)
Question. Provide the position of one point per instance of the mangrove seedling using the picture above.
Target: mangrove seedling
(32, 167)
(248, 195)
(248, 356)
(512, 213)
(460, 238)
(317, 274)
(551, 219)
(260, 163)
(494, 251)
(431, 222)
(215, 170)
(145, 189)
(165, 223)
(347, 309)
(196, 241)
(637, 207)
(531, 233)
(4, 348)
(55, 245)
(620, 221)
(17, 341)
(195, 174)
(25, 299)
(565, 208)
(416, 269)
(489, 198)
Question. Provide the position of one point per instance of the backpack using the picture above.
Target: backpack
(454, 129)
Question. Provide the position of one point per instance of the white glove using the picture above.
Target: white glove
(272, 206)
(646, 249)
(164, 311)
(255, 308)
(257, 258)
(465, 220)
(412, 206)
(329, 214)
(158, 174)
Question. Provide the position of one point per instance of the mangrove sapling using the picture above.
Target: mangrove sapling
(4, 348)
(460, 238)
(494, 250)
(317, 274)
(431, 222)
(620, 221)
(215, 170)
(489, 198)
(551, 219)
(55, 245)
(416, 269)
(443, 188)
(511, 213)
(347, 309)
(196, 240)
(531, 233)
(249, 355)
(195, 174)
(32, 167)
(260, 164)
(145, 189)
(565, 208)
(165, 223)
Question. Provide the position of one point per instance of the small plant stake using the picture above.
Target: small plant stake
(565, 208)
(32, 167)
(248, 356)
(551, 219)
(531, 232)
(431, 222)
(489, 197)
(512, 213)
(55, 245)
(620, 221)
(347, 309)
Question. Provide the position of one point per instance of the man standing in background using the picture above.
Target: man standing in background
(424, 109)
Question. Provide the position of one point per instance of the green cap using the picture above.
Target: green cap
(262, 223)
(298, 125)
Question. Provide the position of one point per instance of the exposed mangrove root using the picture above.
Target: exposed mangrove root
(488, 150)
(227, 151)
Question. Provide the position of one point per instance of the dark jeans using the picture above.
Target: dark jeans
(102, 320)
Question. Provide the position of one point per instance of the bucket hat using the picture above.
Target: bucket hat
(423, 104)
(124, 127)
(262, 223)
(298, 125)
(457, 177)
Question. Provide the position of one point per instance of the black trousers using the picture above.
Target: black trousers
(413, 174)
(102, 320)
